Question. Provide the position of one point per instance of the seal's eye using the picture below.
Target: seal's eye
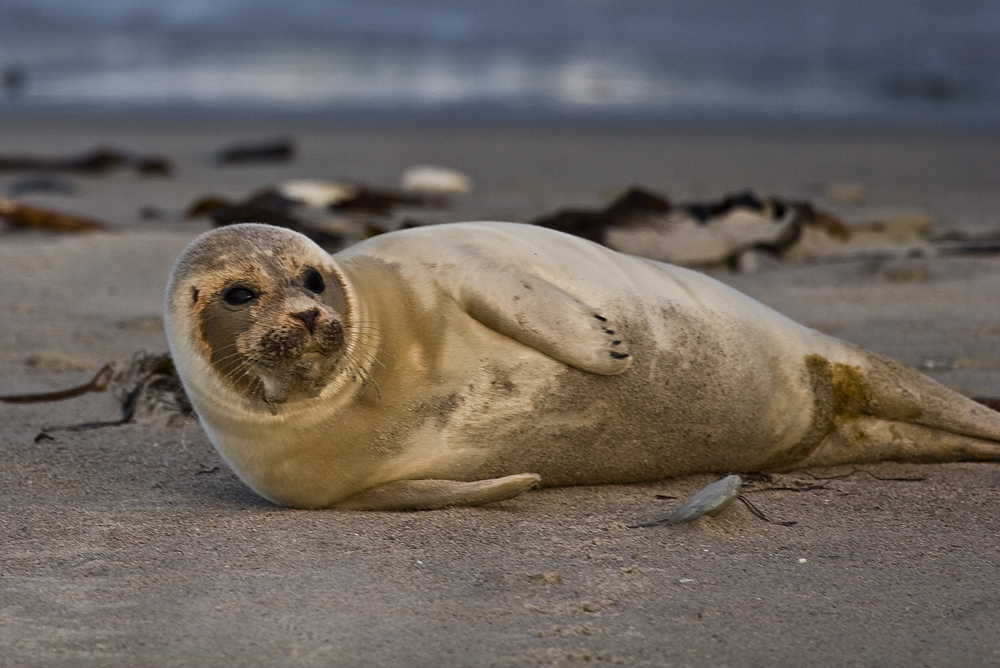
(314, 281)
(238, 296)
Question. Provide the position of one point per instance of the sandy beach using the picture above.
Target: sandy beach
(136, 546)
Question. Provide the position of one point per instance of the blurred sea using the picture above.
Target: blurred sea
(925, 62)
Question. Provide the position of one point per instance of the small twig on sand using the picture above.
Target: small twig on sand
(759, 513)
(128, 412)
(99, 383)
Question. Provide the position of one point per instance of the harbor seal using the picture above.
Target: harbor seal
(462, 364)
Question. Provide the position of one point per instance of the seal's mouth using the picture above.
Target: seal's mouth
(304, 377)
(295, 363)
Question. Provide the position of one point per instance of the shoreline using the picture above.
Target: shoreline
(488, 117)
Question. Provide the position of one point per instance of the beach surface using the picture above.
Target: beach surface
(134, 545)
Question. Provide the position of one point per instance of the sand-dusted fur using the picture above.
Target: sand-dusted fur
(456, 364)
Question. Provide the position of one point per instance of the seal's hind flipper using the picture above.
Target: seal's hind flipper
(529, 309)
(898, 393)
(871, 439)
(434, 494)
(879, 409)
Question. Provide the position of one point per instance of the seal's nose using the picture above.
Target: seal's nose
(308, 318)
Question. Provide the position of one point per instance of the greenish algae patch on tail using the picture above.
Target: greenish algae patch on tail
(838, 393)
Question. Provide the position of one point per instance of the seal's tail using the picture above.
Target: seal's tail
(882, 410)
(896, 393)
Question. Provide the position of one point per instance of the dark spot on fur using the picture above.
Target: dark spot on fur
(194, 295)
(601, 318)
(437, 408)
(447, 406)
(619, 356)
(502, 382)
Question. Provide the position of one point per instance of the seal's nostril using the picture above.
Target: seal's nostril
(308, 318)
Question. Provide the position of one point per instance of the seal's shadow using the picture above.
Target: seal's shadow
(222, 487)
(202, 475)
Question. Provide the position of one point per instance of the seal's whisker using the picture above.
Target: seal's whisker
(363, 330)
(359, 325)
(371, 333)
(366, 341)
(230, 346)
(222, 360)
(240, 373)
(256, 387)
(360, 367)
(233, 356)
(241, 369)
(357, 363)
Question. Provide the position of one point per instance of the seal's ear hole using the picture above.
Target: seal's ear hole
(194, 295)
(314, 281)
(238, 295)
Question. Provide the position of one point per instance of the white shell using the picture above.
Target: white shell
(431, 179)
(317, 193)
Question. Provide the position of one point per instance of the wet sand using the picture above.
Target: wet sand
(135, 545)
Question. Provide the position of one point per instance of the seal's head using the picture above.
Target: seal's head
(263, 307)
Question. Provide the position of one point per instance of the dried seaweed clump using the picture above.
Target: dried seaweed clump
(147, 388)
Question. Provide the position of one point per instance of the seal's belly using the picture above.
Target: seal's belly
(670, 414)
(597, 429)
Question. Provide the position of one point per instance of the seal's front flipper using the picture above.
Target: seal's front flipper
(539, 314)
(434, 494)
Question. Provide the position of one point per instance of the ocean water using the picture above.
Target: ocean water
(869, 61)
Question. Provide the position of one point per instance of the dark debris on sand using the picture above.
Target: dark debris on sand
(98, 161)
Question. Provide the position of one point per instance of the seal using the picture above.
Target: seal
(462, 364)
